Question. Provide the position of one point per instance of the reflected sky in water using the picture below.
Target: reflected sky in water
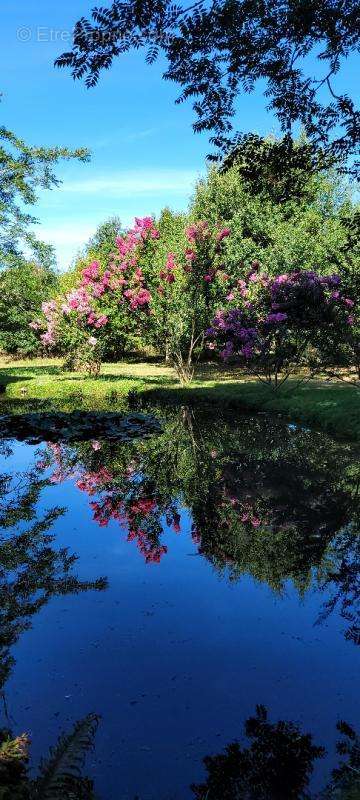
(229, 553)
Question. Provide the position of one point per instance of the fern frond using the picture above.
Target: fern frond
(65, 761)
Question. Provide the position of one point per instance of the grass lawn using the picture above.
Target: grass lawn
(333, 406)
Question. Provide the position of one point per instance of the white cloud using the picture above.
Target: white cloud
(122, 137)
(135, 182)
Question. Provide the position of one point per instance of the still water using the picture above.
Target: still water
(194, 580)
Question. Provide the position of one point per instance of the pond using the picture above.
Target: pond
(193, 578)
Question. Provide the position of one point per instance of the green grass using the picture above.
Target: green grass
(332, 406)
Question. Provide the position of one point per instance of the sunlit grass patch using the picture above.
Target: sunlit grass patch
(333, 406)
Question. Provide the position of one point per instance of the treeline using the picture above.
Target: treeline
(265, 211)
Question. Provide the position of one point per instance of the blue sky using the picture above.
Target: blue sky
(144, 153)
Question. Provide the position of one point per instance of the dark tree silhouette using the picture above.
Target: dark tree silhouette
(279, 169)
(60, 774)
(217, 51)
(276, 766)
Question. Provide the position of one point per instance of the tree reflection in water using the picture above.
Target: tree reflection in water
(276, 765)
(266, 499)
(273, 501)
(32, 570)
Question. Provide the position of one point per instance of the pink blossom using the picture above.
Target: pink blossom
(49, 307)
(98, 290)
(92, 271)
(197, 231)
(77, 300)
(145, 227)
(223, 234)
(48, 338)
(281, 278)
(143, 297)
(92, 341)
(100, 321)
(170, 261)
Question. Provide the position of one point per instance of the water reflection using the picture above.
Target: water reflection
(32, 569)
(59, 773)
(276, 764)
(262, 499)
(266, 499)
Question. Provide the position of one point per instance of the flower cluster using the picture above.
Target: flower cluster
(98, 287)
(202, 237)
(168, 274)
(234, 331)
(125, 499)
(271, 319)
(198, 232)
(127, 273)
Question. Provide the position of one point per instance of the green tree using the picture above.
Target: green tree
(304, 232)
(24, 170)
(23, 288)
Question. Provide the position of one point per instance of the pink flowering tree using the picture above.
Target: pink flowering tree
(175, 294)
(74, 325)
(277, 326)
(103, 301)
(167, 298)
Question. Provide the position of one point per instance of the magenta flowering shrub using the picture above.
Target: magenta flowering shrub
(276, 325)
(79, 321)
(165, 298)
(185, 288)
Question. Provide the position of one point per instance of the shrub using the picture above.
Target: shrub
(277, 325)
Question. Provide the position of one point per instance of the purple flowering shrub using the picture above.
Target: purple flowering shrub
(275, 326)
